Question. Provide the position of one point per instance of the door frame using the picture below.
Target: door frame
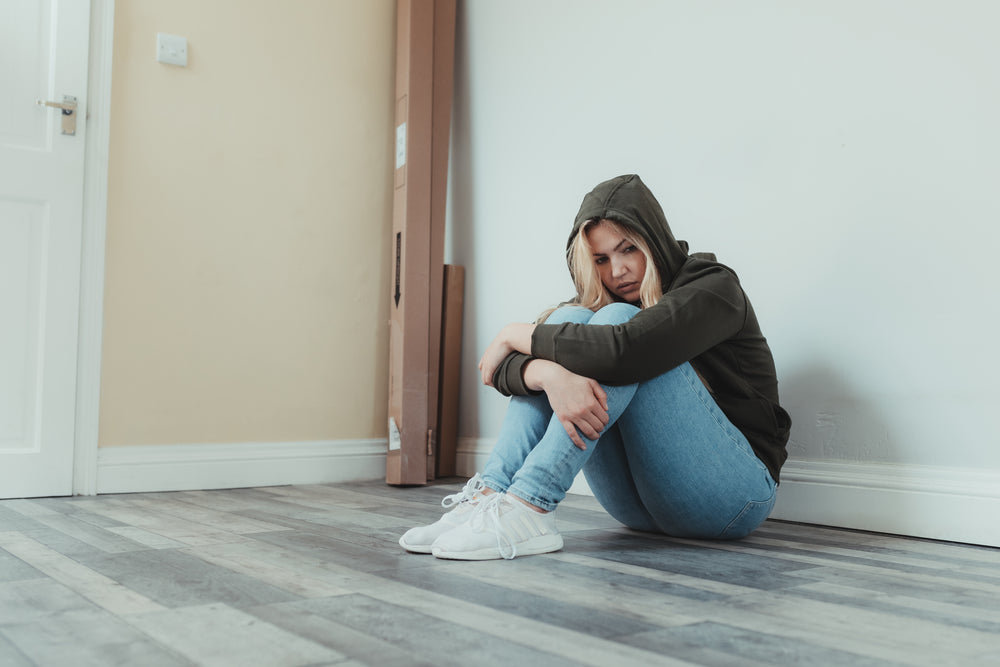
(95, 214)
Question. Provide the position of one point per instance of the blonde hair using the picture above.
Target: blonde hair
(590, 291)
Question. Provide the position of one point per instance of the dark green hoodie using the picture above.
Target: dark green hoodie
(703, 317)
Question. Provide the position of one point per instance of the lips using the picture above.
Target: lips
(628, 287)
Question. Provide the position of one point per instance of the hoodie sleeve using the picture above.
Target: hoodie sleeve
(508, 378)
(704, 307)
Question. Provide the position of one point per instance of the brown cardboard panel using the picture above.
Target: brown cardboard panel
(418, 233)
(451, 360)
(408, 332)
(442, 84)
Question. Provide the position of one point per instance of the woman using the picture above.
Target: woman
(655, 381)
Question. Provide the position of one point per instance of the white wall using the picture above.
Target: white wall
(842, 156)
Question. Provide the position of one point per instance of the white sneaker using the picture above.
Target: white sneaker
(500, 527)
(420, 539)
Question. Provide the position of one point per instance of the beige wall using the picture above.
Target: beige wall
(248, 217)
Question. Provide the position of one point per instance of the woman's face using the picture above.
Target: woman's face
(620, 264)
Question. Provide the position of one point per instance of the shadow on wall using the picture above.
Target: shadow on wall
(832, 421)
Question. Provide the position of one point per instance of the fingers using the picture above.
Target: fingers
(596, 418)
(486, 371)
(591, 425)
(601, 415)
(587, 429)
(588, 424)
(573, 435)
(601, 396)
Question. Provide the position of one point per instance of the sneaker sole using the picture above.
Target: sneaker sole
(415, 548)
(542, 544)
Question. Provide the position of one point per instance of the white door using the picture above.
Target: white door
(43, 56)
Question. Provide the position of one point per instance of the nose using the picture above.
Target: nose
(618, 268)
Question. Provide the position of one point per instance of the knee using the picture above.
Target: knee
(614, 313)
(574, 314)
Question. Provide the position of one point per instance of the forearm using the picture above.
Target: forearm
(502, 362)
(536, 372)
(518, 337)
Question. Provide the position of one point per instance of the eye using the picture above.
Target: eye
(600, 260)
(631, 248)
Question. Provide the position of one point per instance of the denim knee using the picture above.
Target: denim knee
(614, 313)
(575, 314)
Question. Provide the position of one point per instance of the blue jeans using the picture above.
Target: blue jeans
(669, 461)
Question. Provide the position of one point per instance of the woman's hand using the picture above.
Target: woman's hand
(579, 403)
(512, 338)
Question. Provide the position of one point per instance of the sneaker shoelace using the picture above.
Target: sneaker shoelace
(472, 487)
(487, 517)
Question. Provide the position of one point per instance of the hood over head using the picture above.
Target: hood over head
(627, 201)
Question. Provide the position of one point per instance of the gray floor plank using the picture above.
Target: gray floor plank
(196, 633)
(357, 644)
(89, 637)
(711, 643)
(418, 634)
(11, 656)
(173, 578)
(551, 609)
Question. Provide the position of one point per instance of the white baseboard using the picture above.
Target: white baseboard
(226, 466)
(471, 455)
(953, 504)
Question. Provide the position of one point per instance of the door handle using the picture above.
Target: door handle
(68, 107)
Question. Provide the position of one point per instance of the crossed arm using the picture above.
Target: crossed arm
(578, 402)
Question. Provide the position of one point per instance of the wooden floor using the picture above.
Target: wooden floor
(312, 575)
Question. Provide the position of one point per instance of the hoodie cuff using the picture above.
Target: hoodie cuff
(509, 376)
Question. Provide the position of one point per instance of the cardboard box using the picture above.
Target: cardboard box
(425, 51)
(451, 362)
